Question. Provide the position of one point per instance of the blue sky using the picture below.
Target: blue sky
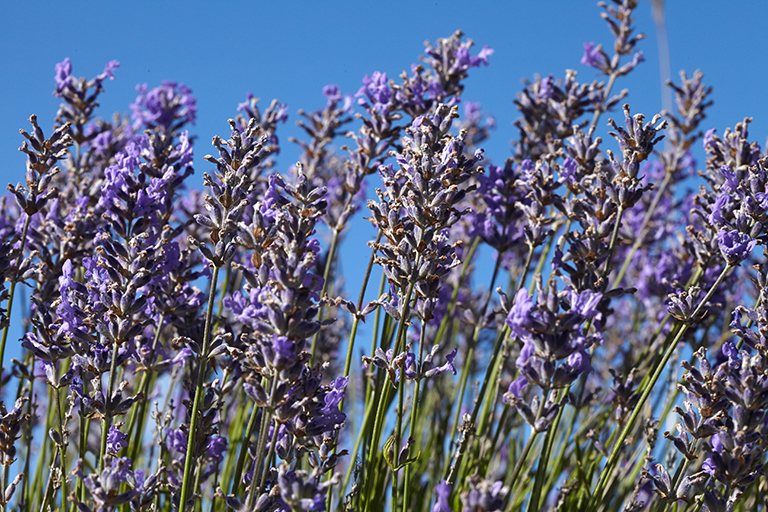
(290, 50)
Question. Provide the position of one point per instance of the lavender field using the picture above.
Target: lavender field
(401, 319)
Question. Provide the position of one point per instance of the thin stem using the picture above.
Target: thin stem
(398, 435)
(79, 488)
(49, 485)
(384, 396)
(12, 292)
(196, 488)
(546, 448)
(139, 413)
(356, 321)
(27, 442)
(244, 450)
(261, 443)
(106, 420)
(414, 412)
(62, 450)
(520, 462)
(326, 275)
(597, 495)
(202, 363)
(459, 398)
(600, 109)
(451, 471)
(270, 454)
(641, 232)
(455, 293)
(366, 421)
(612, 243)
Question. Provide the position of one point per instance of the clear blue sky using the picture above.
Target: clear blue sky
(290, 50)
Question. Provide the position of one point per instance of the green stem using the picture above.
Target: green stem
(414, 413)
(12, 292)
(202, 363)
(599, 110)
(541, 470)
(196, 488)
(612, 244)
(28, 442)
(106, 420)
(641, 232)
(356, 321)
(451, 471)
(455, 294)
(351, 343)
(520, 461)
(613, 459)
(261, 443)
(386, 389)
(459, 398)
(62, 450)
(270, 454)
(49, 486)
(497, 369)
(398, 436)
(366, 422)
(139, 412)
(79, 488)
(326, 275)
(243, 451)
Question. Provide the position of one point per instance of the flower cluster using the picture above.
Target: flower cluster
(187, 350)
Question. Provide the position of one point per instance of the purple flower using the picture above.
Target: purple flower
(216, 447)
(593, 56)
(517, 386)
(376, 89)
(732, 353)
(116, 440)
(449, 365)
(585, 303)
(525, 354)
(443, 490)
(731, 181)
(332, 92)
(569, 172)
(300, 491)
(578, 361)
(735, 246)
(335, 395)
(109, 71)
(63, 76)
(465, 61)
(176, 440)
(716, 217)
(517, 318)
(168, 106)
(708, 466)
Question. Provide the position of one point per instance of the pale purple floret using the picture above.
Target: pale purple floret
(585, 303)
(116, 440)
(735, 246)
(593, 56)
(518, 316)
(168, 106)
(443, 491)
(377, 90)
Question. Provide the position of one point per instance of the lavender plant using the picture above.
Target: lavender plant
(191, 351)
